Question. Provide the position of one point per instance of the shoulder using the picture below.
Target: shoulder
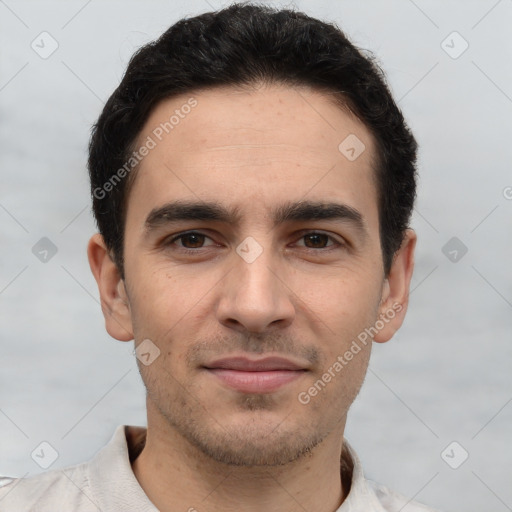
(106, 482)
(365, 495)
(67, 487)
(392, 501)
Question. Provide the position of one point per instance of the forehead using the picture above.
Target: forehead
(249, 148)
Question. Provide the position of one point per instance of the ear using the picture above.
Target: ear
(114, 299)
(395, 290)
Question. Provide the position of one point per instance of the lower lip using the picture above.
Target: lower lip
(256, 382)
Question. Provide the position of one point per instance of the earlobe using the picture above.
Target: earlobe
(395, 291)
(114, 300)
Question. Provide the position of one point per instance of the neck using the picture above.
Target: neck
(177, 476)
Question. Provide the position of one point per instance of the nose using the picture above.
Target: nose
(255, 296)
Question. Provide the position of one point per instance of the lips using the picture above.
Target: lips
(263, 375)
(244, 364)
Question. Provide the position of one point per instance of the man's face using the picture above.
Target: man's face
(221, 303)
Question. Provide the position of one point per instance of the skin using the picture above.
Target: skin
(254, 149)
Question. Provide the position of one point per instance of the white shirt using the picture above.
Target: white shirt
(107, 483)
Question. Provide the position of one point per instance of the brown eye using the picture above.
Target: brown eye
(194, 239)
(190, 242)
(318, 240)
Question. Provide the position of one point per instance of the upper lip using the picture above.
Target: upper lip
(245, 364)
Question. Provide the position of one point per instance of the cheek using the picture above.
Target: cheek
(159, 301)
(346, 310)
(332, 390)
(342, 302)
(163, 311)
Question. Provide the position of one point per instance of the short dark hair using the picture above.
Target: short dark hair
(245, 45)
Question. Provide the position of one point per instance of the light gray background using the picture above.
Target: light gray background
(446, 376)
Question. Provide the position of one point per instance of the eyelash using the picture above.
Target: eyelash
(180, 236)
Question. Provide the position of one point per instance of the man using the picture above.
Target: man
(253, 181)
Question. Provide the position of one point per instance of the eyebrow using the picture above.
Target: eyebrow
(183, 210)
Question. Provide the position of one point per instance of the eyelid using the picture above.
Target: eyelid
(173, 238)
(298, 235)
(337, 243)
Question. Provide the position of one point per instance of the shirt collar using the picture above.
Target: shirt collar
(361, 497)
(115, 487)
(113, 484)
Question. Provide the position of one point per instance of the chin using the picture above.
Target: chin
(254, 439)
